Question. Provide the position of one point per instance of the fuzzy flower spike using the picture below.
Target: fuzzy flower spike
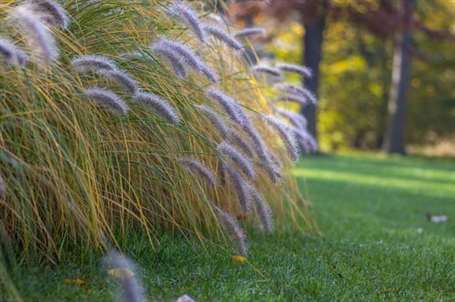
(285, 133)
(230, 105)
(294, 68)
(107, 99)
(55, 14)
(124, 271)
(198, 168)
(173, 58)
(216, 120)
(290, 89)
(189, 16)
(38, 37)
(274, 72)
(11, 53)
(159, 105)
(223, 36)
(186, 55)
(263, 210)
(238, 158)
(251, 31)
(297, 120)
(95, 63)
(234, 230)
(123, 79)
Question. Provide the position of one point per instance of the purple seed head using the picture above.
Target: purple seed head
(198, 168)
(223, 36)
(186, 14)
(238, 158)
(94, 63)
(234, 230)
(37, 36)
(301, 70)
(216, 120)
(12, 54)
(251, 31)
(188, 56)
(107, 99)
(125, 273)
(55, 14)
(159, 105)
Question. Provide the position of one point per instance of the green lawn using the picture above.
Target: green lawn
(377, 245)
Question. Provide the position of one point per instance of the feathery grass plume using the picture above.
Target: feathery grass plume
(306, 141)
(251, 31)
(294, 90)
(187, 56)
(240, 186)
(56, 14)
(125, 273)
(94, 63)
(38, 37)
(285, 133)
(11, 53)
(216, 120)
(172, 57)
(293, 98)
(124, 79)
(234, 230)
(239, 141)
(221, 172)
(274, 72)
(297, 120)
(294, 68)
(238, 158)
(107, 99)
(262, 209)
(159, 105)
(223, 36)
(263, 153)
(198, 168)
(229, 105)
(189, 16)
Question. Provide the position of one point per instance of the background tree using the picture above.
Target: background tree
(402, 60)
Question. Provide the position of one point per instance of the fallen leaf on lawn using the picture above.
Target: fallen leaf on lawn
(119, 273)
(76, 282)
(239, 259)
(437, 218)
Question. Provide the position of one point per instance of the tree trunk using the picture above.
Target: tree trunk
(401, 75)
(313, 39)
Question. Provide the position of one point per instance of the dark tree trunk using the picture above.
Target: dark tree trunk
(313, 39)
(402, 61)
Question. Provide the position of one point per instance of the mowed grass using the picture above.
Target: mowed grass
(377, 245)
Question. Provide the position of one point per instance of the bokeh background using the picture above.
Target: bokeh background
(384, 69)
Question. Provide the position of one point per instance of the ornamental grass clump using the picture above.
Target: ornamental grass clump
(99, 145)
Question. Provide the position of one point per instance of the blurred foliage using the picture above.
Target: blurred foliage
(356, 74)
